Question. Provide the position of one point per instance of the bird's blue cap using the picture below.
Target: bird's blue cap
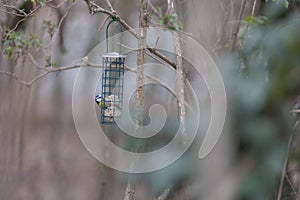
(98, 98)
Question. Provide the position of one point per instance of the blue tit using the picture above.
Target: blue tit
(100, 101)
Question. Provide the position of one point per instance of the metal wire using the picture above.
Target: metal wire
(106, 32)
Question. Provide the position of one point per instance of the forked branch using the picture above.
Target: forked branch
(94, 8)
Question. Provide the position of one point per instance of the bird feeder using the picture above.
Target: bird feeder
(112, 83)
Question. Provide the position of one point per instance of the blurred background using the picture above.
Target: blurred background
(255, 44)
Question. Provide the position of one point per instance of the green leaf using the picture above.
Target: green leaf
(9, 51)
(49, 26)
(249, 19)
(161, 22)
(159, 10)
(286, 4)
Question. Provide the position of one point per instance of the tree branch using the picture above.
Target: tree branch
(179, 76)
(154, 9)
(292, 187)
(94, 8)
(295, 111)
(79, 63)
(58, 5)
(25, 17)
(161, 56)
(16, 77)
(47, 71)
(235, 33)
(165, 194)
(65, 15)
(253, 8)
(103, 24)
(110, 7)
(283, 171)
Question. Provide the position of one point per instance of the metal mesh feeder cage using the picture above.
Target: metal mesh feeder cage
(112, 84)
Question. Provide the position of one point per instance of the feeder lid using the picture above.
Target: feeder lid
(114, 55)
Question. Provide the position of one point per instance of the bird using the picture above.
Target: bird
(100, 101)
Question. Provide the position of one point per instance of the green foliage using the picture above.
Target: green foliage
(263, 84)
(171, 21)
(249, 23)
(255, 20)
(159, 10)
(49, 63)
(18, 43)
(49, 26)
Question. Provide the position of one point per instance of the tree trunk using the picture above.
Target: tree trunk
(142, 40)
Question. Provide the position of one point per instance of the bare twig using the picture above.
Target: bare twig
(161, 56)
(165, 194)
(160, 83)
(156, 43)
(154, 9)
(103, 24)
(65, 16)
(149, 54)
(179, 76)
(110, 7)
(292, 187)
(11, 13)
(235, 33)
(24, 14)
(154, 79)
(220, 41)
(90, 7)
(16, 77)
(32, 12)
(33, 61)
(283, 171)
(252, 13)
(130, 190)
(94, 8)
(295, 111)
(182, 2)
(253, 8)
(160, 60)
(58, 5)
(46, 72)
(83, 62)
